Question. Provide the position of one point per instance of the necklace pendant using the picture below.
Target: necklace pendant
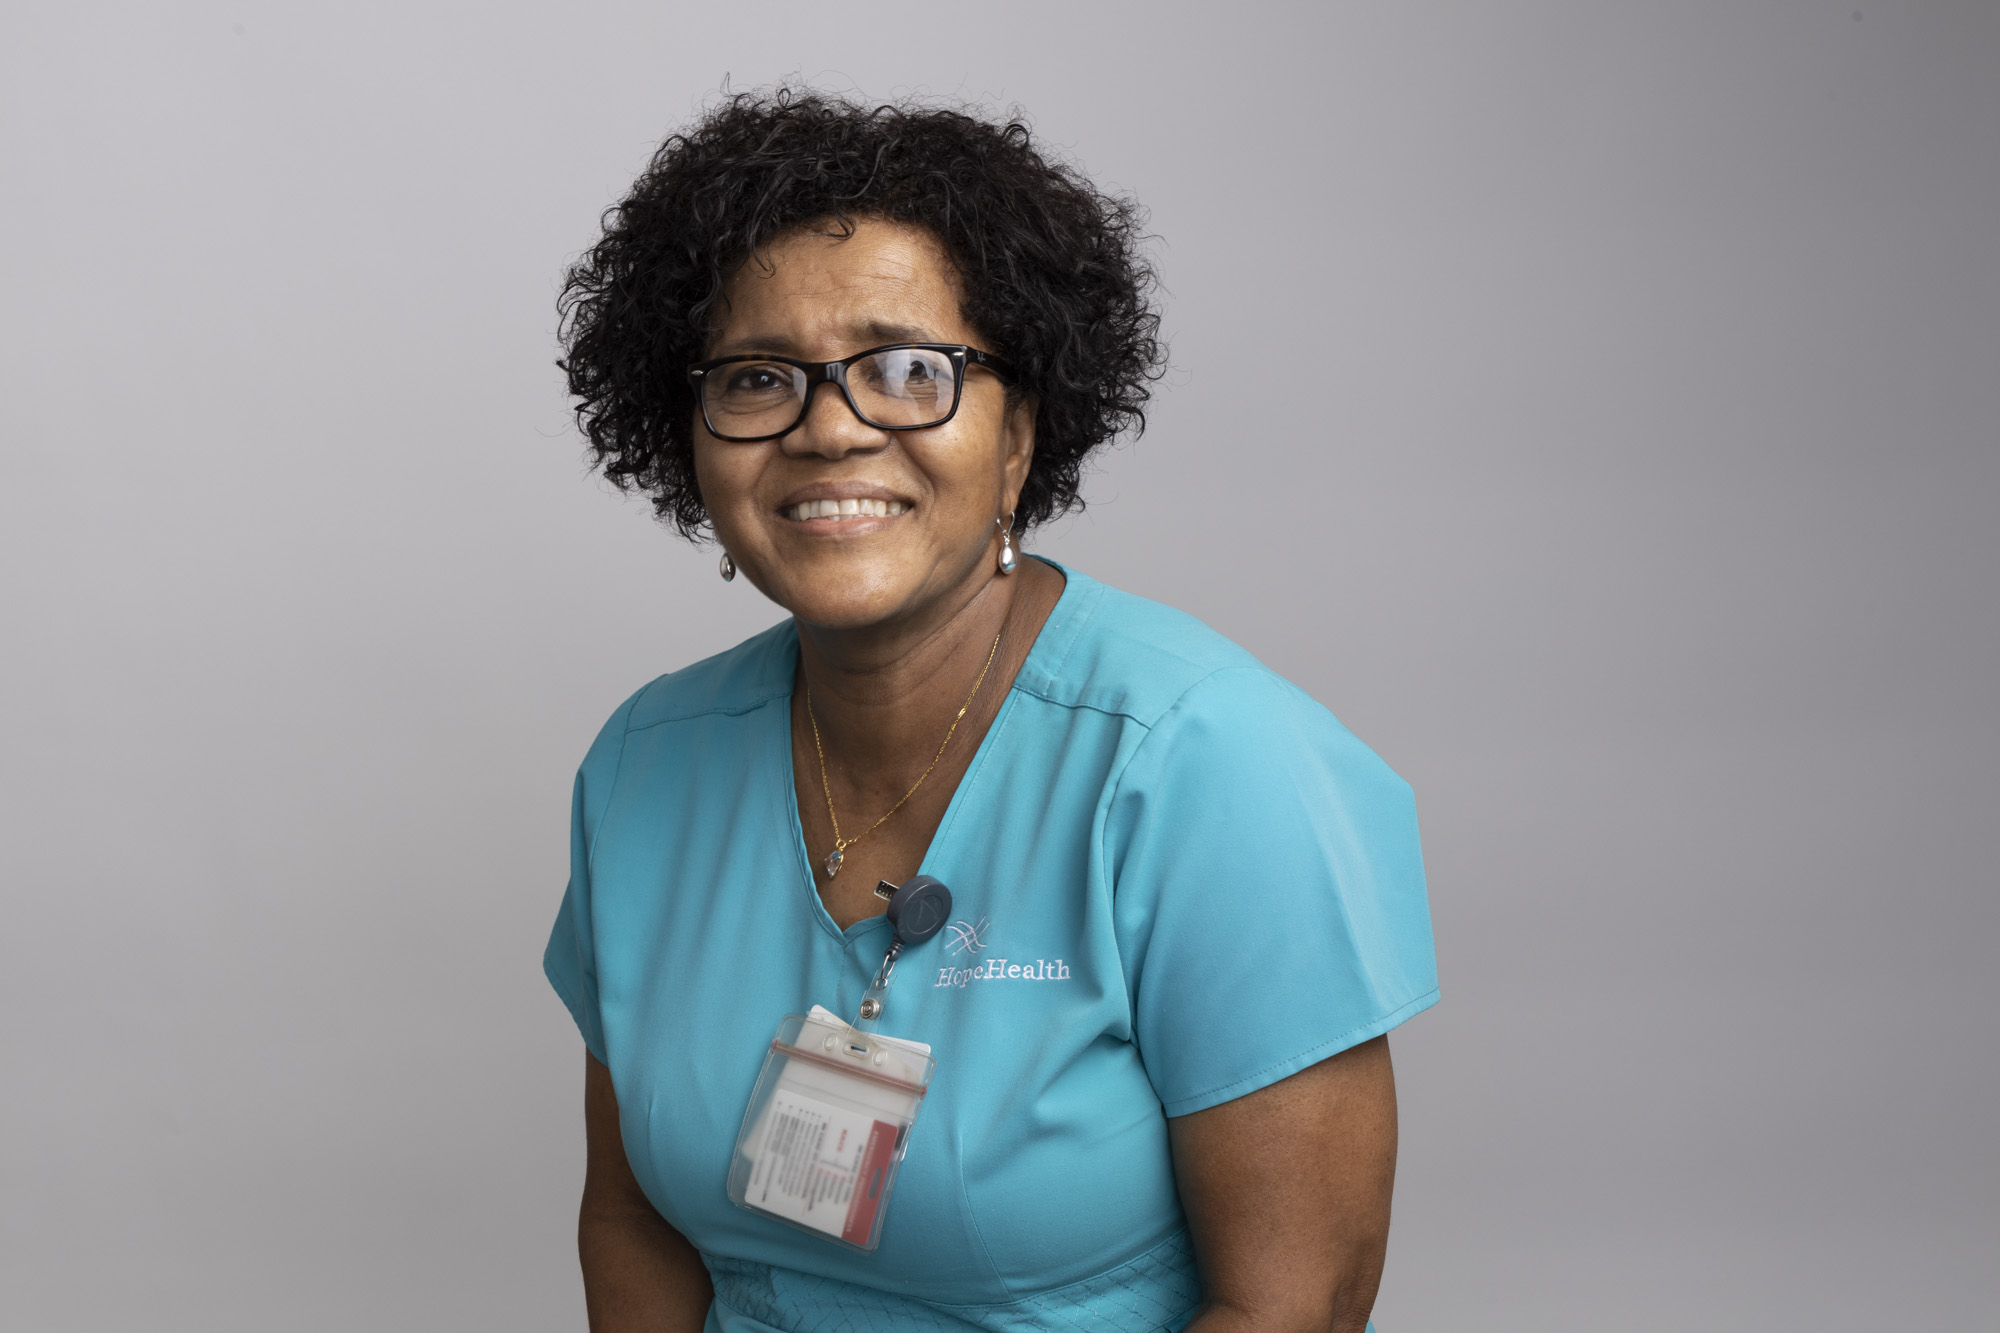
(833, 860)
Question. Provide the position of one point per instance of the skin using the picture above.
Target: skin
(1287, 1189)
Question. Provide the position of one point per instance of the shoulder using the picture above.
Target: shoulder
(1120, 653)
(728, 684)
(1114, 652)
(1204, 700)
(735, 681)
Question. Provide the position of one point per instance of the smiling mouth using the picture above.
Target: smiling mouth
(824, 509)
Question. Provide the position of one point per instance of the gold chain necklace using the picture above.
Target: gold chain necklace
(840, 844)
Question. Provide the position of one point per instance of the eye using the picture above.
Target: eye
(755, 379)
(904, 374)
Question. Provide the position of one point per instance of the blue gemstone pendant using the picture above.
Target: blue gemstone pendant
(833, 860)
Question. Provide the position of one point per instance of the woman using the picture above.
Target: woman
(868, 350)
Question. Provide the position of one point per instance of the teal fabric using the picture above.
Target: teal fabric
(1158, 1289)
(1176, 879)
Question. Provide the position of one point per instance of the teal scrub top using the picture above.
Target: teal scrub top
(1176, 879)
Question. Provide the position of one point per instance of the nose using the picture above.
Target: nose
(830, 428)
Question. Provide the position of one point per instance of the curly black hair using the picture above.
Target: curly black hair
(1051, 271)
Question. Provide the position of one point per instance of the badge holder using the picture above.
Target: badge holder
(830, 1117)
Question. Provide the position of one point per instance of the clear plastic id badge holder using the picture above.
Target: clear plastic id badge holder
(827, 1127)
(831, 1114)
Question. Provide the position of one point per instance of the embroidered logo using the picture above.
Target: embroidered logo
(966, 937)
(969, 938)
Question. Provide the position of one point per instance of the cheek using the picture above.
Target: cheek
(970, 471)
(723, 476)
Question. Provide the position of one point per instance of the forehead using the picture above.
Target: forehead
(816, 290)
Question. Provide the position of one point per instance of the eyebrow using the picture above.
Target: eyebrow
(875, 332)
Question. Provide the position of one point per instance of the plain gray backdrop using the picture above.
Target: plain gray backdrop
(1647, 519)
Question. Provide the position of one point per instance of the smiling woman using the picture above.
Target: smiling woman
(954, 464)
(1083, 1084)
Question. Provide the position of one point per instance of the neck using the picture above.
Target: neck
(883, 695)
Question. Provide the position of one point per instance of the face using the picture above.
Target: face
(935, 492)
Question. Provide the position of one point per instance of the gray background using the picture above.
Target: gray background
(1647, 524)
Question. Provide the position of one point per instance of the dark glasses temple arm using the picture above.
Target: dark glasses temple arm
(990, 361)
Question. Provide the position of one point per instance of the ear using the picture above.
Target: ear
(1017, 441)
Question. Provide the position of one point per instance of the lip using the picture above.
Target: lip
(842, 490)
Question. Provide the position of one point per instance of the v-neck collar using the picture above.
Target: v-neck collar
(1052, 645)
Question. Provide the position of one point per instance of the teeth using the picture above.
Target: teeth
(846, 509)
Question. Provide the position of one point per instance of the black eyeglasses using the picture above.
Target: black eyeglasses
(904, 386)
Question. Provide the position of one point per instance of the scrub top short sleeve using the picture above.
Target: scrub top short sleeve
(1175, 879)
(570, 960)
(1269, 890)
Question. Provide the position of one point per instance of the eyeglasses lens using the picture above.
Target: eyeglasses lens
(746, 399)
(908, 386)
(902, 388)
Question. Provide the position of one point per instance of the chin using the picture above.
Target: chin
(840, 595)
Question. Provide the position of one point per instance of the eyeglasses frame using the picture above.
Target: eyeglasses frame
(835, 373)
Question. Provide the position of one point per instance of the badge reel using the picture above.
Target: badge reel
(830, 1116)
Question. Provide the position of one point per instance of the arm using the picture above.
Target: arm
(1287, 1196)
(638, 1272)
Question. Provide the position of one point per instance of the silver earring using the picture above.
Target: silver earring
(1008, 562)
(728, 568)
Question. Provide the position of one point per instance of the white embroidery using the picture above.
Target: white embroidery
(999, 969)
(967, 937)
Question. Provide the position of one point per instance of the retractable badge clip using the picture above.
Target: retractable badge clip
(918, 910)
(830, 1116)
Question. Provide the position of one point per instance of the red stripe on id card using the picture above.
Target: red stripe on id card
(867, 1200)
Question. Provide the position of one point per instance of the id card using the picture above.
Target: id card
(827, 1126)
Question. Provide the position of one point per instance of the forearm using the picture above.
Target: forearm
(639, 1273)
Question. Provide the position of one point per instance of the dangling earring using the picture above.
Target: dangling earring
(1008, 562)
(728, 568)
